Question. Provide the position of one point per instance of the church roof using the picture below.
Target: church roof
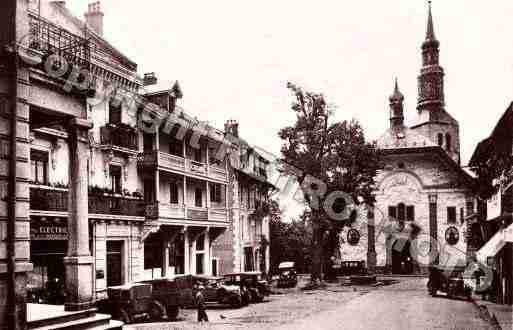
(396, 95)
(403, 137)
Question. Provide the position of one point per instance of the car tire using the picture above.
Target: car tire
(158, 311)
(172, 312)
(124, 316)
(236, 302)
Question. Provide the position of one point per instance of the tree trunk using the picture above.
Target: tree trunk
(316, 248)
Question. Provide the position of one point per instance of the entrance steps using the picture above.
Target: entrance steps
(46, 317)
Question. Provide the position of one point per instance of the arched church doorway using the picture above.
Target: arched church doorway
(402, 261)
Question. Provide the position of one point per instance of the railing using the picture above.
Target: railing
(116, 205)
(56, 200)
(125, 137)
(196, 167)
(218, 214)
(197, 213)
(163, 210)
(176, 163)
(48, 199)
(217, 172)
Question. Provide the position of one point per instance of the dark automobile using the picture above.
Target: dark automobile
(287, 274)
(132, 302)
(169, 293)
(216, 290)
(448, 281)
(256, 287)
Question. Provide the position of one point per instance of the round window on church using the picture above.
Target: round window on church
(353, 237)
(452, 235)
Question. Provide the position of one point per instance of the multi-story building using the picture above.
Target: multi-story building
(91, 197)
(246, 246)
(493, 232)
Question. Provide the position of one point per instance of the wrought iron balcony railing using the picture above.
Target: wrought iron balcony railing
(119, 136)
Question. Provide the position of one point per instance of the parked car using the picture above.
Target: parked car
(132, 302)
(169, 293)
(253, 282)
(448, 281)
(216, 290)
(287, 274)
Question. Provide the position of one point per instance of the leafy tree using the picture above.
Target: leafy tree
(334, 155)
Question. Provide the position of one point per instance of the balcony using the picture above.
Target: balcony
(48, 199)
(197, 213)
(119, 137)
(172, 163)
(163, 210)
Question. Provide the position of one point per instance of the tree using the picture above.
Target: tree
(333, 155)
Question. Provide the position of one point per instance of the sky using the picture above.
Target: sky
(233, 58)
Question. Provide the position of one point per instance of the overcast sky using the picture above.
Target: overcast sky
(234, 57)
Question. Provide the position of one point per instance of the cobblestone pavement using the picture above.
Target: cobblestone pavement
(405, 305)
(401, 306)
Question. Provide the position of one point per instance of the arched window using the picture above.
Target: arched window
(401, 212)
(448, 141)
(440, 139)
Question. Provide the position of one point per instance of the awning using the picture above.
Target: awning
(495, 244)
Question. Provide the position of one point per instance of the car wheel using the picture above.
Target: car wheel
(158, 311)
(124, 316)
(172, 312)
(236, 302)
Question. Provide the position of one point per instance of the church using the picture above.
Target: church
(423, 196)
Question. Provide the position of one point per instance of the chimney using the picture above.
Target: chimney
(232, 127)
(150, 79)
(94, 17)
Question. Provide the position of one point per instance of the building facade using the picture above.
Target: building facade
(96, 190)
(493, 231)
(422, 194)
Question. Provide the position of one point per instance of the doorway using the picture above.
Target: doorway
(402, 261)
(114, 263)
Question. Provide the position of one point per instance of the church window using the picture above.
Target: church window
(451, 214)
(448, 141)
(401, 212)
(440, 139)
(410, 213)
(392, 212)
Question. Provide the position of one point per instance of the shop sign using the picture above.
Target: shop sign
(49, 233)
(493, 206)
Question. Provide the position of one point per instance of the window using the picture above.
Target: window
(176, 147)
(147, 142)
(410, 213)
(197, 155)
(115, 178)
(173, 193)
(392, 212)
(462, 215)
(39, 166)
(215, 192)
(200, 243)
(451, 214)
(114, 114)
(198, 197)
(440, 139)
(199, 263)
(448, 141)
(401, 212)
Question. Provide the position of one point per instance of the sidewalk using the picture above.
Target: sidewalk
(503, 314)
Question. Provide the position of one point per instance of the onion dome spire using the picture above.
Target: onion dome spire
(396, 107)
(396, 95)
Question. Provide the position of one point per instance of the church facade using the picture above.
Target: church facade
(423, 196)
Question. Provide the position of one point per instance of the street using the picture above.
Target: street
(404, 305)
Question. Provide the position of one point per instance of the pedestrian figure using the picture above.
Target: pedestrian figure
(200, 304)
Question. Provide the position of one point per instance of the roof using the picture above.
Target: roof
(161, 87)
(286, 264)
(499, 142)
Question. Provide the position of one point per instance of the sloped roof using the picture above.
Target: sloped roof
(403, 137)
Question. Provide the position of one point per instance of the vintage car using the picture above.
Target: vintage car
(169, 293)
(448, 281)
(287, 274)
(217, 291)
(257, 287)
(132, 302)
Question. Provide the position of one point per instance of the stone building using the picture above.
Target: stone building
(421, 192)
